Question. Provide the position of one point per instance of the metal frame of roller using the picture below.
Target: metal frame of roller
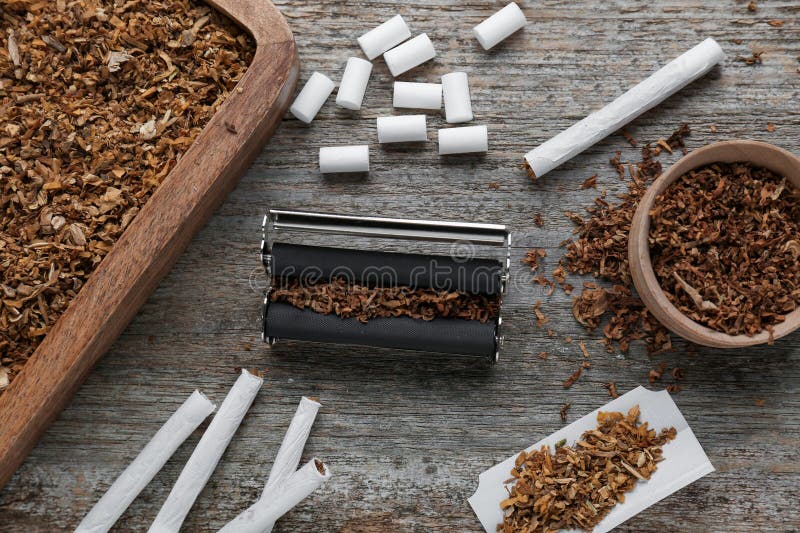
(441, 335)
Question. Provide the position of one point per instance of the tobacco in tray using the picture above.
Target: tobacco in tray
(351, 300)
(725, 246)
(576, 487)
(98, 100)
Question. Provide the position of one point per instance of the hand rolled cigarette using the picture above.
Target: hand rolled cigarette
(414, 95)
(294, 441)
(409, 54)
(206, 455)
(385, 37)
(308, 103)
(403, 128)
(463, 140)
(262, 515)
(457, 103)
(658, 87)
(147, 464)
(344, 159)
(500, 26)
(354, 83)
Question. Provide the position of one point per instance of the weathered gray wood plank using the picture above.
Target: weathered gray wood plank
(407, 434)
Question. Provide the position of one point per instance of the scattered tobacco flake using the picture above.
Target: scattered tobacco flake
(538, 220)
(611, 387)
(678, 373)
(673, 388)
(629, 137)
(590, 182)
(494, 185)
(725, 245)
(775, 23)
(570, 381)
(559, 274)
(584, 351)
(770, 127)
(532, 258)
(576, 487)
(655, 374)
(98, 101)
(563, 411)
(712, 128)
(760, 403)
(543, 355)
(754, 58)
(752, 6)
(586, 365)
(350, 300)
(541, 319)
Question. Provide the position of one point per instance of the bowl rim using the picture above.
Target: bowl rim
(644, 279)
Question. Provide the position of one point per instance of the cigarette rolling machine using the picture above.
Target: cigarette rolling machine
(482, 276)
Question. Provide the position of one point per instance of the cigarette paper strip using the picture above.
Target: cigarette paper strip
(344, 159)
(262, 515)
(658, 87)
(500, 26)
(404, 128)
(308, 103)
(414, 95)
(354, 83)
(385, 37)
(147, 464)
(207, 454)
(409, 55)
(463, 140)
(684, 461)
(457, 104)
(293, 443)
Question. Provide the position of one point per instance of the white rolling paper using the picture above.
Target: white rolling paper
(207, 454)
(463, 140)
(658, 87)
(308, 103)
(402, 128)
(500, 26)
(262, 515)
(147, 464)
(344, 159)
(409, 54)
(412, 95)
(354, 83)
(457, 103)
(385, 37)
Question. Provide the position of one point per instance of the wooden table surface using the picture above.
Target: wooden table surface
(406, 434)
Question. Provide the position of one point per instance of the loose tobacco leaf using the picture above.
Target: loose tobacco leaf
(577, 486)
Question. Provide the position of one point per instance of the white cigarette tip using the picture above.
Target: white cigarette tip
(306, 399)
(203, 399)
(321, 469)
(252, 377)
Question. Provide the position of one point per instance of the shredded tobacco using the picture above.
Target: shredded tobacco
(725, 245)
(563, 411)
(349, 300)
(98, 100)
(576, 487)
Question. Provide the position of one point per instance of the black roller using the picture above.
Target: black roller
(477, 276)
(444, 335)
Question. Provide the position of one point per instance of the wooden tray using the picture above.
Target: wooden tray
(177, 210)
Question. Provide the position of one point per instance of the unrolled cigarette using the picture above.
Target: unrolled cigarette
(206, 455)
(147, 464)
(400, 129)
(457, 104)
(293, 443)
(414, 95)
(354, 83)
(344, 159)
(385, 37)
(500, 26)
(262, 515)
(409, 54)
(463, 140)
(308, 103)
(671, 78)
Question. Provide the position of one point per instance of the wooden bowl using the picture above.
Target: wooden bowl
(762, 154)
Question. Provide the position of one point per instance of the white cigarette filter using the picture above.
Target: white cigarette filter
(147, 464)
(385, 37)
(414, 95)
(457, 103)
(668, 80)
(207, 454)
(262, 515)
(500, 26)
(308, 103)
(354, 83)
(463, 140)
(344, 159)
(293, 443)
(409, 54)
(401, 129)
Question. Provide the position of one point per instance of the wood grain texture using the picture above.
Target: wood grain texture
(406, 435)
(188, 196)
